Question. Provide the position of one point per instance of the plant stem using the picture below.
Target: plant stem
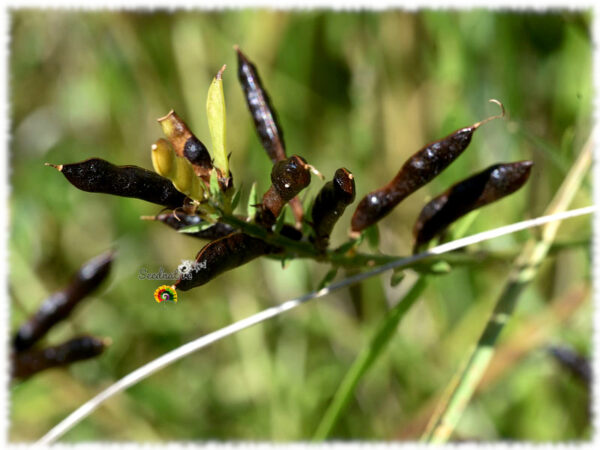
(298, 248)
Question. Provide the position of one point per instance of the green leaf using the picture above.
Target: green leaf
(252, 201)
(440, 267)
(215, 111)
(397, 277)
(196, 228)
(280, 221)
(212, 217)
(346, 246)
(437, 268)
(371, 234)
(215, 189)
(236, 198)
(462, 226)
(328, 278)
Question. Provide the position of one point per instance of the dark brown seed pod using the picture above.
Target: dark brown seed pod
(288, 177)
(417, 171)
(291, 232)
(329, 205)
(576, 364)
(179, 220)
(98, 175)
(60, 304)
(222, 255)
(481, 189)
(261, 110)
(265, 119)
(187, 145)
(26, 364)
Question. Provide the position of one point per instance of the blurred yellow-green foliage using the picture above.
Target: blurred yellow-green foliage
(362, 90)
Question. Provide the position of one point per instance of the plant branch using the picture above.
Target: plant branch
(303, 249)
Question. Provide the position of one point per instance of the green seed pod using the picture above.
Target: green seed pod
(217, 120)
(183, 220)
(163, 158)
(178, 170)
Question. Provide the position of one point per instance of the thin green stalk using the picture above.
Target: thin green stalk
(302, 249)
(305, 249)
(365, 359)
(461, 389)
(298, 248)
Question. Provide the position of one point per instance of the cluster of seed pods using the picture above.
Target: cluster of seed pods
(28, 360)
(188, 180)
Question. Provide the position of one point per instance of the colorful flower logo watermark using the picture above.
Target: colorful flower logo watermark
(168, 293)
(165, 293)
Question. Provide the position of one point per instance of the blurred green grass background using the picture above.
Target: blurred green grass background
(362, 90)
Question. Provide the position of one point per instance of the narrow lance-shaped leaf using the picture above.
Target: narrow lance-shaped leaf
(215, 190)
(215, 110)
(220, 198)
(235, 201)
(328, 278)
(183, 222)
(366, 358)
(252, 202)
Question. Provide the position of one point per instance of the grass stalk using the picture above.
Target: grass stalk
(365, 359)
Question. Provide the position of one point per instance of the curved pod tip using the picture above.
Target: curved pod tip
(58, 167)
(170, 124)
(497, 116)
